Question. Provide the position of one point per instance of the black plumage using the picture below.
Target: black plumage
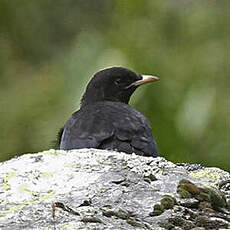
(105, 120)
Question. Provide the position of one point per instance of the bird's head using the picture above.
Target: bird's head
(114, 84)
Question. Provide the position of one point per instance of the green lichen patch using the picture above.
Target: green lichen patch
(10, 175)
(106, 192)
(211, 175)
(51, 152)
(6, 185)
(47, 196)
(73, 166)
(46, 175)
(23, 188)
(14, 208)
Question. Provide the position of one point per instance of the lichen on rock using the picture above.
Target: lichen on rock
(99, 189)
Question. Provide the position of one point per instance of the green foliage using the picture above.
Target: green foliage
(50, 49)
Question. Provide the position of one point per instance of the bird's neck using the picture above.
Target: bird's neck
(89, 99)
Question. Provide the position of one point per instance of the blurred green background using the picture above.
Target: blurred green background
(49, 49)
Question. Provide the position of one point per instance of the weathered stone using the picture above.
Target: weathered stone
(98, 189)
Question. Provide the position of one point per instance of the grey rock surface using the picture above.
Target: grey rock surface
(99, 189)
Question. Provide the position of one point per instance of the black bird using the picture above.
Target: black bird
(105, 120)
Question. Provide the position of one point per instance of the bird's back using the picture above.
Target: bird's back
(109, 125)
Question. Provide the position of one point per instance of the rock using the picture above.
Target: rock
(99, 189)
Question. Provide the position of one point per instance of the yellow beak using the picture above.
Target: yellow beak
(145, 79)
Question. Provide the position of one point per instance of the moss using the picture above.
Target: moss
(177, 221)
(183, 193)
(189, 187)
(203, 195)
(125, 215)
(157, 210)
(121, 214)
(204, 221)
(109, 213)
(215, 197)
(168, 202)
(190, 203)
(181, 222)
(135, 223)
(166, 225)
(91, 219)
(228, 205)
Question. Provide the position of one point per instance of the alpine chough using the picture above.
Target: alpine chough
(105, 120)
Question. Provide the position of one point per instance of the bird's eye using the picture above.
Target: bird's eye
(117, 81)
